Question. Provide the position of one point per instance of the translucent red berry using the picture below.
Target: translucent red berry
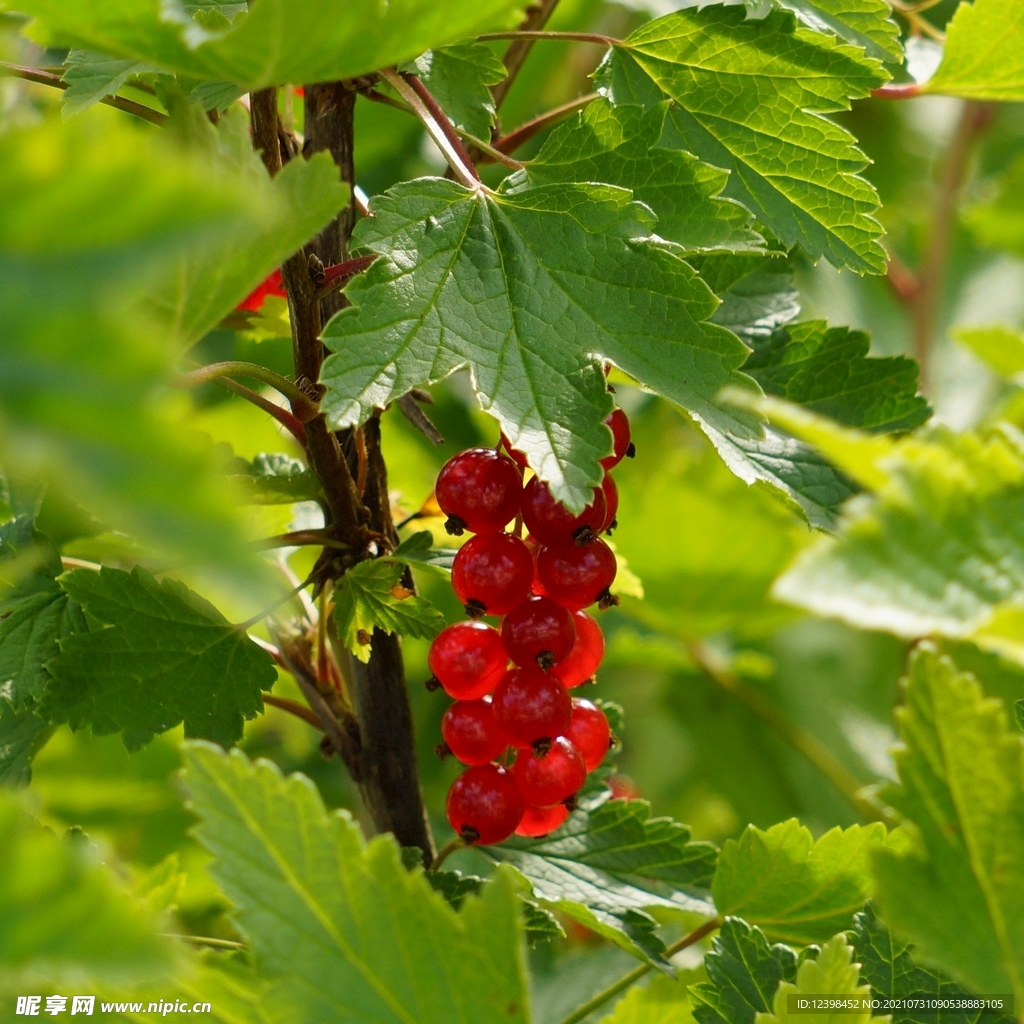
(582, 661)
(576, 577)
(472, 732)
(619, 424)
(484, 805)
(531, 706)
(271, 285)
(623, 788)
(539, 821)
(611, 500)
(552, 523)
(550, 773)
(513, 453)
(538, 632)
(589, 732)
(492, 573)
(479, 490)
(468, 659)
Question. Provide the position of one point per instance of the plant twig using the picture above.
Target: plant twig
(205, 940)
(974, 119)
(902, 280)
(897, 91)
(565, 37)
(514, 58)
(283, 416)
(514, 139)
(300, 538)
(260, 616)
(303, 405)
(41, 77)
(293, 707)
(813, 749)
(584, 1011)
(921, 26)
(449, 848)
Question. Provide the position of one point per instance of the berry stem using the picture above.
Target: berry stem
(584, 1011)
(446, 851)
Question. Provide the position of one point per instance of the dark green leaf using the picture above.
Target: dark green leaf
(1018, 707)
(371, 596)
(526, 287)
(743, 974)
(888, 965)
(273, 478)
(22, 734)
(749, 97)
(162, 655)
(619, 145)
(608, 864)
(418, 551)
(90, 76)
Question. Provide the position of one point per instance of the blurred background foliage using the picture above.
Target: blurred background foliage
(738, 708)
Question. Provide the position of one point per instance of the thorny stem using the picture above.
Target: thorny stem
(283, 416)
(457, 158)
(511, 142)
(41, 77)
(449, 848)
(515, 56)
(293, 707)
(813, 749)
(303, 406)
(974, 119)
(584, 1011)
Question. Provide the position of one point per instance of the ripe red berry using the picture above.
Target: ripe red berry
(582, 661)
(549, 773)
(611, 500)
(513, 453)
(531, 706)
(468, 659)
(619, 424)
(538, 632)
(479, 490)
(270, 285)
(492, 573)
(539, 821)
(484, 805)
(577, 577)
(472, 732)
(589, 732)
(552, 523)
(623, 788)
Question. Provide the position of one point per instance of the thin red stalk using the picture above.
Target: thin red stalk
(442, 120)
(293, 707)
(893, 91)
(519, 49)
(283, 416)
(514, 139)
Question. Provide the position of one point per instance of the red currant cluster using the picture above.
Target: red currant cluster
(539, 587)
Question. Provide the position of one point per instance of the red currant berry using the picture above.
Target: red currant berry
(539, 821)
(611, 500)
(531, 706)
(472, 732)
(552, 523)
(549, 773)
(623, 788)
(478, 490)
(538, 632)
(619, 424)
(484, 805)
(513, 453)
(580, 664)
(577, 577)
(589, 732)
(492, 573)
(468, 659)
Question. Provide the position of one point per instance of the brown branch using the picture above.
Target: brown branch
(41, 77)
(974, 119)
(511, 142)
(293, 707)
(514, 58)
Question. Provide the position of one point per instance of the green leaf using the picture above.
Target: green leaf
(888, 965)
(608, 864)
(827, 370)
(982, 58)
(743, 975)
(458, 78)
(662, 1001)
(90, 76)
(795, 889)
(619, 145)
(209, 282)
(864, 23)
(749, 97)
(1018, 707)
(277, 42)
(999, 347)
(999, 222)
(63, 913)
(832, 972)
(162, 655)
(527, 287)
(273, 478)
(418, 552)
(757, 296)
(344, 929)
(939, 548)
(371, 596)
(958, 891)
(22, 735)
